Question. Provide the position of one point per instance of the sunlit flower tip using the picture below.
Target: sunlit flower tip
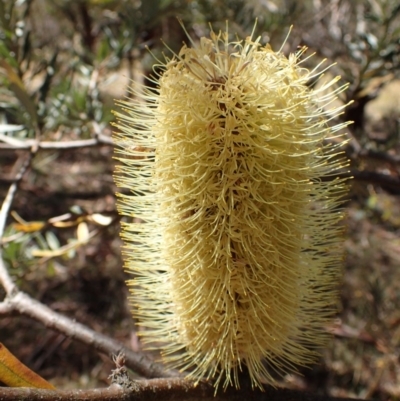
(233, 238)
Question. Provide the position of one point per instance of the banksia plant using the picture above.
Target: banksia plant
(234, 238)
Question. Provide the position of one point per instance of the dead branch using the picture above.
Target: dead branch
(373, 177)
(23, 304)
(378, 155)
(162, 389)
(11, 143)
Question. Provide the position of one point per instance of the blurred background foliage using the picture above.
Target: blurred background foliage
(62, 64)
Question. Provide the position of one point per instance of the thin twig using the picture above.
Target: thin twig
(162, 389)
(5, 278)
(377, 155)
(373, 177)
(356, 151)
(25, 305)
(11, 143)
(5, 207)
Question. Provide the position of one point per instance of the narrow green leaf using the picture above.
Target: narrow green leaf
(18, 87)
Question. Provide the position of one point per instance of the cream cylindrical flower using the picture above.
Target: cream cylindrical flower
(234, 241)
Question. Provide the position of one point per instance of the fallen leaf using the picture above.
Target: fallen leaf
(100, 219)
(14, 373)
(30, 227)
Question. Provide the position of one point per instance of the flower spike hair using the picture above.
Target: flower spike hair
(233, 238)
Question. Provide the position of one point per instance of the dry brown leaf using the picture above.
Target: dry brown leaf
(14, 373)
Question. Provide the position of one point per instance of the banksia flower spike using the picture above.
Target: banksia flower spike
(234, 241)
